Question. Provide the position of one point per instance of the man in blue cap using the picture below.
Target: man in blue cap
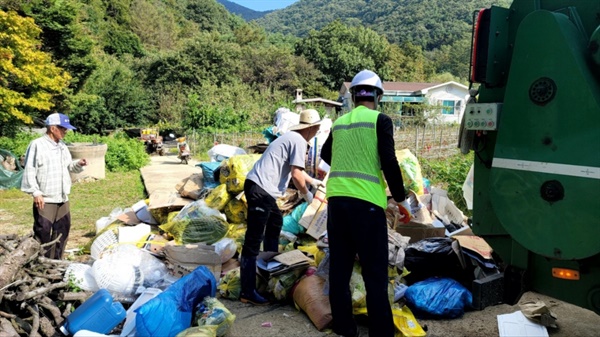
(46, 178)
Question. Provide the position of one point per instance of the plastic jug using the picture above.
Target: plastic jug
(98, 314)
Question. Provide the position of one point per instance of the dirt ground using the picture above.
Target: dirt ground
(286, 321)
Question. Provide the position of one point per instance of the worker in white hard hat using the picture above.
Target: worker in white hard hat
(284, 159)
(361, 146)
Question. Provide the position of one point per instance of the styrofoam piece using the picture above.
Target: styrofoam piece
(129, 326)
(133, 234)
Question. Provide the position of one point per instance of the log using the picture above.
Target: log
(45, 260)
(73, 296)
(6, 329)
(35, 325)
(46, 327)
(49, 305)
(16, 259)
(40, 291)
(6, 237)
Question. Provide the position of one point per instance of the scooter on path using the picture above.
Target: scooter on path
(183, 150)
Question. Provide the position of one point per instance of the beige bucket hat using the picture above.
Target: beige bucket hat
(308, 118)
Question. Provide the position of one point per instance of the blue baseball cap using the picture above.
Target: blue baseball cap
(60, 120)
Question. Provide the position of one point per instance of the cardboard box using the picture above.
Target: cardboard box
(314, 218)
(183, 259)
(418, 232)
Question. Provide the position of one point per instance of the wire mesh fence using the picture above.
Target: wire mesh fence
(431, 141)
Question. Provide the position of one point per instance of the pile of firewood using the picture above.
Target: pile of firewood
(34, 298)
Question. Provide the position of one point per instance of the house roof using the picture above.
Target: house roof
(403, 86)
(321, 100)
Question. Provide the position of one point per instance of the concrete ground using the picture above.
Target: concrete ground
(286, 321)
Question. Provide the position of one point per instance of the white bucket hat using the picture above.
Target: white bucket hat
(308, 118)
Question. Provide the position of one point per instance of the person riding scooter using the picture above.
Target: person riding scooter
(183, 148)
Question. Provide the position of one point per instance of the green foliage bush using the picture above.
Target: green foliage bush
(449, 174)
(18, 144)
(123, 154)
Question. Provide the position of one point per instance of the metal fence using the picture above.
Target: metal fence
(431, 141)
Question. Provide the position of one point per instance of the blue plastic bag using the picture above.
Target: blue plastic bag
(291, 221)
(171, 311)
(208, 173)
(438, 297)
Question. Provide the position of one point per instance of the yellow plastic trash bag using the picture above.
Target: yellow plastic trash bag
(218, 197)
(238, 233)
(214, 313)
(280, 285)
(405, 322)
(199, 331)
(411, 171)
(234, 171)
(230, 285)
(236, 211)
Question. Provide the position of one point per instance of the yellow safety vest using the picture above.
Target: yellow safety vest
(355, 164)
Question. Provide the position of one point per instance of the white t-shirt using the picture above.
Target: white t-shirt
(273, 171)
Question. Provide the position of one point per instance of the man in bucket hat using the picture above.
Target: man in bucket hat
(284, 159)
(46, 178)
(359, 148)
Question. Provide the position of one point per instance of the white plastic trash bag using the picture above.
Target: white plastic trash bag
(284, 119)
(221, 152)
(468, 188)
(226, 248)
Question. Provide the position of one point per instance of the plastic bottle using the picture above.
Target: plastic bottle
(98, 314)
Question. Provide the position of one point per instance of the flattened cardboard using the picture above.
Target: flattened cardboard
(291, 258)
(319, 223)
(476, 244)
(129, 218)
(160, 199)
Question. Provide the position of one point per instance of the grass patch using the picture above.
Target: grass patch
(89, 202)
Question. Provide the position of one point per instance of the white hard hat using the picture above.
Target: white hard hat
(308, 118)
(366, 78)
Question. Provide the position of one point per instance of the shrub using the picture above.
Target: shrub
(449, 174)
(123, 154)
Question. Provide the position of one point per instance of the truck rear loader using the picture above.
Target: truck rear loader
(534, 126)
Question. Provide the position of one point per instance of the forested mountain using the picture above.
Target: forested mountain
(192, 64)
(426, 23)
(245, 12)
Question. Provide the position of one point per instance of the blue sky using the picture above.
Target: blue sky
(264, 5)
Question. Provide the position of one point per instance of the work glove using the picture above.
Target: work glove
(308, 197)
(316, 183)
(404, 209)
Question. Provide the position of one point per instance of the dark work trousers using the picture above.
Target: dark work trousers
(358, 227)
(264, 221)
(49, 223)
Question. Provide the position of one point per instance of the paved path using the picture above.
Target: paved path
(165, 172)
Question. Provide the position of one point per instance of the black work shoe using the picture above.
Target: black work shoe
(254, 298)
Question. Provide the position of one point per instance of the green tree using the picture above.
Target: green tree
(29, 80)
(64, 36)
(407, 63)
(126, 101)
(339, 51)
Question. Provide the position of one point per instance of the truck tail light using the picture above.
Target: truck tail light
(479, 46)
(565, 274)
